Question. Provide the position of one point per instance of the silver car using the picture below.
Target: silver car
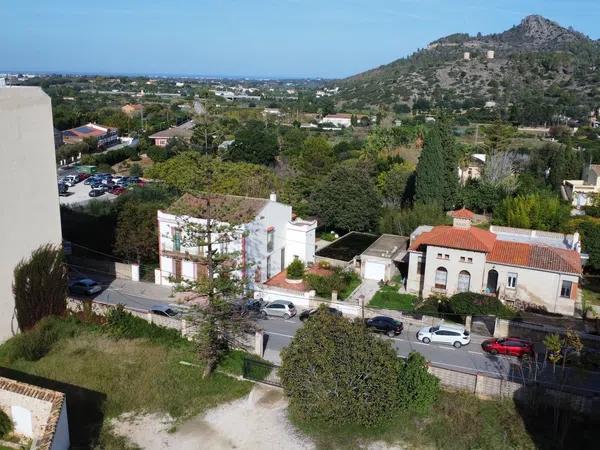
(278, 308)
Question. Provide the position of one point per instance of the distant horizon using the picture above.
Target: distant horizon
(160, 75)
(267, 39)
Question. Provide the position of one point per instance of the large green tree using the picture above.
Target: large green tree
(187, 172)
(392, 183)
(334, 371)
(255, 143)
(431, 171)
(40, 286)
(347, 199)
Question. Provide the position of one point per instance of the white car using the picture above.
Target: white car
(455, 335)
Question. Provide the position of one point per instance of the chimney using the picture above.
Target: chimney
(273, 197)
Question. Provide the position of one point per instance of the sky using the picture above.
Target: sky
(251, 38)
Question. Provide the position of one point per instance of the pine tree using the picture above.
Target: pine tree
(430, 173)
(220, 325)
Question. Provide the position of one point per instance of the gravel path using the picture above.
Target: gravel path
(257, 421)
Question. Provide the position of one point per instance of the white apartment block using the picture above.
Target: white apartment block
(28, 180)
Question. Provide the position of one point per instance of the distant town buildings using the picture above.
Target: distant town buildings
(466, 56)
(107, 136)
(132, 109)
(490, 54)
(184, 131)
(339, 120)
(30, 209)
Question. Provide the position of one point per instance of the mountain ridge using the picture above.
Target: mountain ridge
(537, 54)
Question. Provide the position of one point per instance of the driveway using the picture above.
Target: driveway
(367, 288)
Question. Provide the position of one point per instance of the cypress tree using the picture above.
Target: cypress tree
(431, 173)
(450, 152)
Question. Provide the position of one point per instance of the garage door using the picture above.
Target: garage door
(374, 271)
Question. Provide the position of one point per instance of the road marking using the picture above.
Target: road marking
(474, 353)
(279, 334)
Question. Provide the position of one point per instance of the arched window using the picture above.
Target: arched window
(441, 277)
(464, 281)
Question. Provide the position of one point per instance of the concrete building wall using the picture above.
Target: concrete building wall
(536, 286)
(28, 178)
(450, 259)
(61, 439)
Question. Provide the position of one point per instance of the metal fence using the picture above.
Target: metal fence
(261, 371)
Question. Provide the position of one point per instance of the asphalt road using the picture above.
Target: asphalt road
(279, 333)
(470, 358)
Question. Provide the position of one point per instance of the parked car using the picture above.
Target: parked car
(512, 346)
(164, 310)
(82, 176)
(116, 190)
(455, 335)
(278, 308)
(248, 307)
(84, 286)
(308, 313)
(92, 180)
(70, 180)
(96, 192)
(384, 324)
(62, 188)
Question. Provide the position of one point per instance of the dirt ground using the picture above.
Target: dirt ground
(257, 421)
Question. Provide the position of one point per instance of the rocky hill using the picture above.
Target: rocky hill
(538, 59)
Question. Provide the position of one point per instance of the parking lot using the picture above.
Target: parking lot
(79, 195)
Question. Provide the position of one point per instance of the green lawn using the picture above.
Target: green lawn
(353, 284)
(388, 297)
(106, 376)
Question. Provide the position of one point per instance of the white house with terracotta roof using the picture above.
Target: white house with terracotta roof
(582, 192)
(185, 131)
(267, 239)
(532, 266)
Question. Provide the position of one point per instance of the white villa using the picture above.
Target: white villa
(532, 266)
(472, 169)
(581, 192)
(269, 237)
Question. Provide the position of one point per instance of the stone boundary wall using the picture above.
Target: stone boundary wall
(485, 386)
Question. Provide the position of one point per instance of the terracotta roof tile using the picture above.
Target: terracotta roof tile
(463, 213)
(473, 239)
(534, 256)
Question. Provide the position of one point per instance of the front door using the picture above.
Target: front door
(177, 268)
(492, 282)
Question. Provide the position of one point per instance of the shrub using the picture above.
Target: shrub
(135, 170)
(323, 373)
(123, 325)
(471, 303)
(34, 344)
(417, 388)
(295, 271)
(338, 281)
(6, 425)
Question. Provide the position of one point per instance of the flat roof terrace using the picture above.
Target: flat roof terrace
(348, 246)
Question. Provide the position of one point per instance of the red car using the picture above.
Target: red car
(116, 190)
(512, 346)
(82, 176)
